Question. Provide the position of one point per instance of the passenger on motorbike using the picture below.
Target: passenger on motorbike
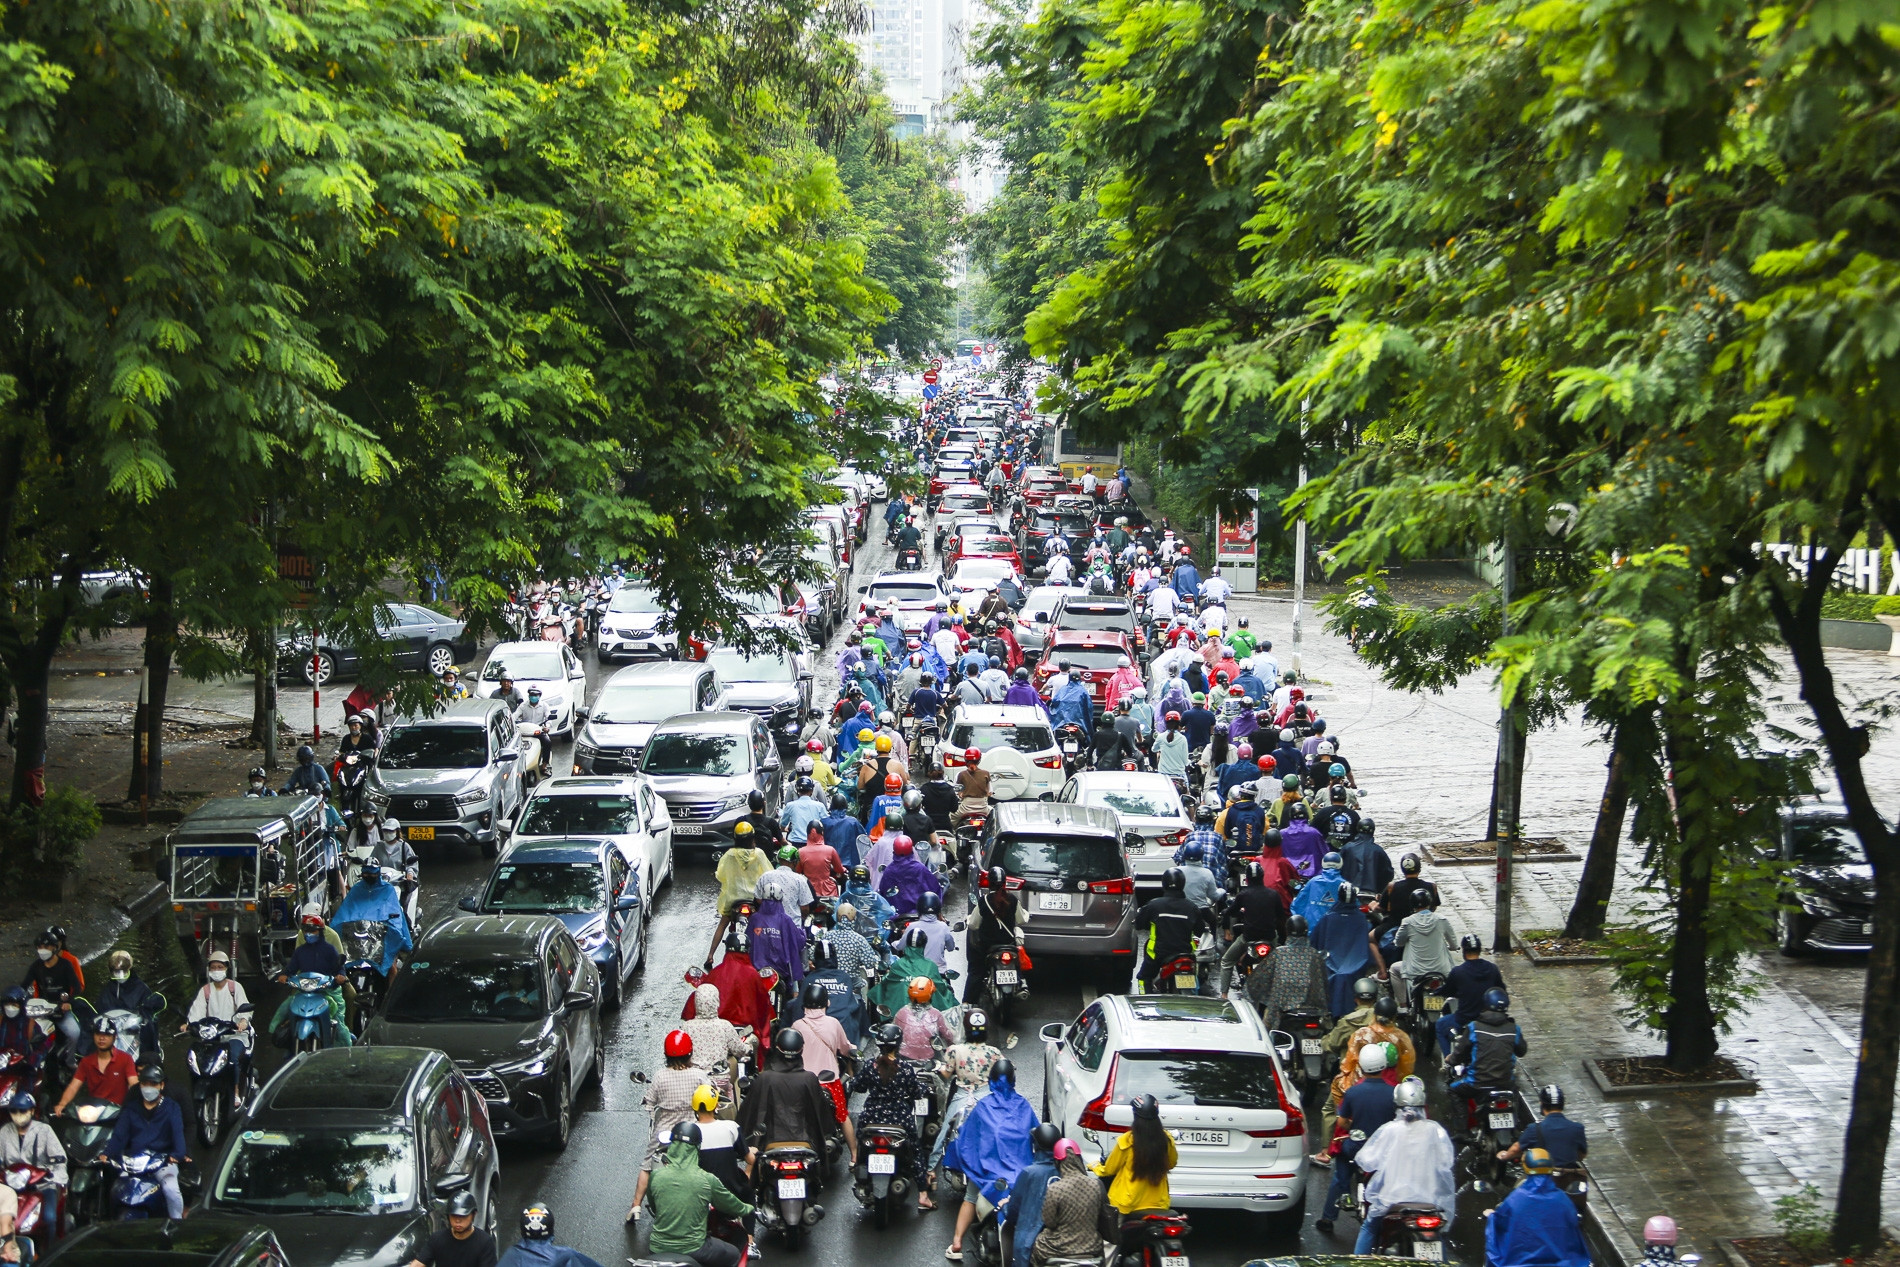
(669, 1101)
(786, 884)
(991, 1150)
(152, 1122)
(966, 1066)
(802, 810)
(1537, 1224)
(1071, 703)
(891, 1089)
(1485, 1052)
(25, 1142)
(743, 998)
(1294, 977)
(786, 1103)
(907, 879)
(1362, 862)
(1410, 1159)
(1168, 925)
(842, 830)
(1071, 1210)
(1426, 944)
(1300, 841)
(1402, 897)
(717, 1044)
(682, 1192)
(1469, 982)
(939, 940)
(1259, 916)
(1564, 1140)
(1244, 824)
(1362, 1111)
(1321, 893)
(1022, 1215)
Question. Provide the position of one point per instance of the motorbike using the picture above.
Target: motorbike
(969, 833)
(1154, 1240)
(1491, 1127)
(1254, 957)
(882, 1174)
(32, 1217)
(1303, 1024)
(218, 1090)
(911, 560)
(1006, 987)
(352, 786)
(1412, 1229)
(16, 1075)
(84, 1130)
(924, 747)
(1427, 1004)
(136, 1193)
(1074, 742)
(362, 965)
(785, 1177)
(553, 622)
(309, 1012)
(535, 765)
(1179, 975)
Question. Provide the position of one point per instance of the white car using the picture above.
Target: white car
(1032, 622)
(914, 593)
(1149, 806)
(1018, 726)
(630, 628)
(873, 484)
(973, 575)
(1224, 1096)
(548, 665)
(621, 808)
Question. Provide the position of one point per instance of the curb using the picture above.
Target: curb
(1554, 961)
(139, 908)
(1610, 1091)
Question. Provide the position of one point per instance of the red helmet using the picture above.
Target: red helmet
(973, 755)
(901, 846)
(1172, 716)
(812, 745)
(893, 782)
(1235, 690)
(1266, 763)
(679, 1044)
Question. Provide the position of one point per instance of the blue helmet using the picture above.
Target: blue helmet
(1332, 861)
(1193, 851)
(1496, 1000)
(23, 1103)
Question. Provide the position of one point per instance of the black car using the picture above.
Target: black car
(515, 1004)
(772, 683)
(349, 1153)
(1829, 904)
(203, 1241)
(419, 639)
(1033, 545)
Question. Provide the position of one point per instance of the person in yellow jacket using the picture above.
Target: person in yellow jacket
(739, 872)
(1137, 1166)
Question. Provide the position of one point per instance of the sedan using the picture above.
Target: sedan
(414, 636)
(548, 665)
(1149, 806)
(588, 886)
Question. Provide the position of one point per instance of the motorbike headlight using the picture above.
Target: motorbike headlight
(471, 796)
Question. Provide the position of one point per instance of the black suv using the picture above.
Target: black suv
(515, 1004)
(1829, 900)
(1033, 545)
(350, 1154)
(206, 1241)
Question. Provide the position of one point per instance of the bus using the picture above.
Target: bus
(1072, 453)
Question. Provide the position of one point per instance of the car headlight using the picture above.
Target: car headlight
(585, 751)
(532, 1067)
(1815, 904)
(471, 796)
(379, 799)
(592, 940)
(733, 802)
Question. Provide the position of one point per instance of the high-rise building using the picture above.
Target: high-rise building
(919, 49)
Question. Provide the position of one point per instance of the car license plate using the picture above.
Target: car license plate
(1434, 1003)
(1309, 1047)
(1216, 1138)
(921, 1108)
(422, 833)
(882, 1163)
(1069, 746)
(689, 829)
(791, 1188)
(1174, 1260)
(1428, 1251)
(1055, 902)
(1006, 976)
(1184, 981)
(1503, 1121)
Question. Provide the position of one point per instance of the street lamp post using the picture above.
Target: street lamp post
(1507, 783)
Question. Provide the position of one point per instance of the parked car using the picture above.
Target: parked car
(548, 665)
(621, 808)
(209, 1240)
(705, 765)
(1149, 807)
(1829, 900)
(1224, 1097)
(349, 1154)
(635, 627)
(772, 683)
(1067, 865)
(590, 887)
(1018, 726)
(417, 638)
(634, 701)
(451, 778)
(118, 590)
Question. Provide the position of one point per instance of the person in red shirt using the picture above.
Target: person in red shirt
(820, 864)
(105, 1074)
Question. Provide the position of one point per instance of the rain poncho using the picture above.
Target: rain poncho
(892, 993)
(1123, 680)
(681, 1190)
(545, 1254)
(874, 913)
(1317, 898)
(1244, 724)
(1409, 1161)
(994, 1143)
(715, 1039)
(1342, 938)
(743, 999)
(1303, 846)
(1536, 1226)
(377, 903)
(778, 942)
(878, 857)
(1071, 703)
(906, 881)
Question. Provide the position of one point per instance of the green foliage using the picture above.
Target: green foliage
(1803, 1223)
(1846, 605)
(50, 839)
(1642, 951)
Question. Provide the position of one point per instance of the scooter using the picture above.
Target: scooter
(882, 1174)
(1412, 1229)
(310, 1018)
(1427, 1004)
(782, 1191)
(1154, 1240)
(1180, 975)
(1255, 957)
(911, 560)
(1304, 1025)
(136, 1194)
(1006, 987)
(16, 1075)
(362, 964)
(33, 1218)
(84, 1130)
(1491, 1127)
(1074, 742)
(218, 1090)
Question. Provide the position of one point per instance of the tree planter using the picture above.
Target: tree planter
(1615, 1090)
(1484, 853)
(1893, 626)
(1552, 958)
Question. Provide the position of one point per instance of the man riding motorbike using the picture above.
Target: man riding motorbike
(682, 1192)
(990, 1150)
(1410, 1158)
(1259, 916)
(1169, 925)
(1537, 1224)
(786, 1103)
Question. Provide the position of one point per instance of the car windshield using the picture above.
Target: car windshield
(573, 815)
(635, 598)
(734, 665)
(1065, 858)
(637, 702)
(1099, 657)
(546, 888)
(436, 748)
(1142, 802)
(1828, 845)
(1081, 618)
(489, 989)
(987, 735)
(758, 604)
(533, 665)
(697, 754)
(904, 592)
(1208, 1079)
(317, 1171)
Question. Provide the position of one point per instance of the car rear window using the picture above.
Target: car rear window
(1142, 802)
(904, 591)
(1065, 858)
(1209, 1079)
(965, 501)
(1101, 657)
(1083, 619)
(1025, 738)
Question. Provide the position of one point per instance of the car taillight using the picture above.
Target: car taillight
(1091, 1119)
(1114, 888)
(1051, 762)
(1429, 1222)
(1172, 838)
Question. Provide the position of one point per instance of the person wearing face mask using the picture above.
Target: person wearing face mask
(220, 997)
(123, 991)
(314, 954)
(259, 783)
(153, 1124)
(25, 1142)
(53, 976)
(104, 1073)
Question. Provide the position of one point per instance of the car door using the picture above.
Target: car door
(658, 827)
(1072, 1065)
(624, 926)
(765, 766)
(582, 1036)
(707, 693)
(502, 738)
(576, 681)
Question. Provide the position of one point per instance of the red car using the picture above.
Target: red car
(1094, 651)
(981, 546)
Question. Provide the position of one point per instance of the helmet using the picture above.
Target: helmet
(814, 745)
(1022, 674)
(1267, 764)
(1173, 716)
(889, 1038)
(1537, 1162)
(1551, 1098)
(973, 755)
(839, 803)
(929, 903)
(788, 853)
(998, 877)
(1291, 783)
(903, 848)
(913, 799)
(805, 786)
(1365, 988)
(305, 754)
(1004, 1070)
(741, 832)
(789, 1042)
(1386, 1008)
(916, 937)
(1410, 1093)
(1147, 1106)
(1366, 825)
(705, 1099)
(1297, 810)
(861, 874)
(1272, 839)
(1044, 1137)
(687, 1132)
(755, 801)
(1253, 874)
(823, 953)
(1173, 880)
(976, 1024)
(1471, 944)
(886, 718)
(1204, 813)
(883, 745)
(105, 1025)
(1410, 864)
(893, 782)
(1242, 622)
(1296, 926)
(23, 1103)
(1335, 771)
(1345, 894)
(1660, 1230)
(1332, 861)
(679, 1044)
(1193, 851)
(996, 662)
(1377, 1057)
(1496, 1000)
(462, 1205)
(920, 988)
(1247, 790)
(258, 775)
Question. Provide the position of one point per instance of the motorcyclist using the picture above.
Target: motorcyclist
(908, 879)
(1362, 1110)
(922, 1020)
(786, 1103)
(1236, 773)
(1021, 1219)
(743, 998)
(1169, 925)
(918, 824)
(874, 913)
(891, 1089)
(1564, 1140)
(1410, 1158)
(996, 919)
(1021, 692)
(152, 1122)
(1659, 1241)
(1259, 916)
(1071, 704)
(392, 852)
(1401, 897)
(1426, 943)
(940, 941)
(309, 778)
(1295, 977)
(25, 1142)
(739, 871)
(991, 1149)
(681, 1192)
(1363, 863)
(461, 1242)
(966, 1065)
(104, 1073)
(124, 991)
(259, 783)
(827, 1044)
(1115, 744)
(1469, 982)
(786, 883)
(359, 742)
(220, 997)
(1300, 841)
(1537, 1224)
(1200, 885)
(374, 901)
(1321, 893)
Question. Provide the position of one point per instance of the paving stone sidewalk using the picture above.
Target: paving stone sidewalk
(1716, 1163)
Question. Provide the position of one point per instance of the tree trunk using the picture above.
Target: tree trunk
(1690, 1029)
(1870, 1116)
(1592, 905)
(30, 662)
(264, 697)
(161, 640)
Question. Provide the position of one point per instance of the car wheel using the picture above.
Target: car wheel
(610, 997)
(325, 669)
(440, 659)
(563, 1114)
(1791, 933)
(646, 931)
(491, 848)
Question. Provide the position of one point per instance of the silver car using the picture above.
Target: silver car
(1150, 811)
(451, 778)
(705, 766)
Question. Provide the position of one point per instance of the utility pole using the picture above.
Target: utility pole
(1507, 781)
(1299, 551)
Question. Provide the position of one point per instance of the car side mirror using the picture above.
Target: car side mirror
(505, 827)
(470, 904)
(627, 902)
(1282, 1044)
(510, 753)
(1053, 1032)
(448, 1185)
(577, 1001)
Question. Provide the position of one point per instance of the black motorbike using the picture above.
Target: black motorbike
(1074, 743)
(1427, 1005)
(1413, 1229)
(786, 1176)
(886, 1159)
(218, 1087)
(1304, 1025)
(1005, 986)
(84, 1130)
(362, 965)
(910, 560)
(1153, 1239)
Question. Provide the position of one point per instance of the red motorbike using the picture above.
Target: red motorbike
(34, 1218)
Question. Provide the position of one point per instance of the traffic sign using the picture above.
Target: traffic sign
(931, 390)
(930, 376)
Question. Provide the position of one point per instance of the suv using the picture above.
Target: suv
(1089, 613)
(1044, 523)
(1032, 620)
(515, 1002)
(635, 627)
(915, 594)
(1830, 902)
(772, 683)
(705, 766)
(351, 1152)
(1067, 865)
(1150, 809)
(1224, 1096)
(551, 666)
(1093, 653)
(632, 703)
(451, 778)
(1018, 726)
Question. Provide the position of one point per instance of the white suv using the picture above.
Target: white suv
(1018, 726)
(1224, 1097)
(620, 808)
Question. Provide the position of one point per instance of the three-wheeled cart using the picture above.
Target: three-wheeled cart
(241, 867)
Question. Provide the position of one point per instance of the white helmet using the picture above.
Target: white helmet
(1410, 1093)
(886, 717)
(390, 828)
(1121, 661)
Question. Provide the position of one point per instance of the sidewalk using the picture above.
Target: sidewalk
(1715, 1163)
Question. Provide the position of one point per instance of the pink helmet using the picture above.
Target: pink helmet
(1244, 752)
(1067, 1148)
(1660, 1230)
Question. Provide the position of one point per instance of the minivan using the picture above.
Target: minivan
(632, 703)
(705, 766)
(1067, 865)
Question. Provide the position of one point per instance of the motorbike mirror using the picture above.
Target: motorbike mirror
(470, 904)
(635, 1075)
(959, 926)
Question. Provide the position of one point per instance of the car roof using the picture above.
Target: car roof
(977, 714)
(919, 578)
(484, 936)
(376, 1080)
(1057, 817)
(501, 648)
(657, 672)
(461, 712)
(1177, 1021)
(1086, 779)
(722, 721)
(555, 849)
(1108, 603)
(964, 490)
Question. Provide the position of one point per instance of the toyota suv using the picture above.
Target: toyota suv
(632, 703)
(772, 683)
(451, 778)
(1066, 863)
(1089, 613)
(705, 766)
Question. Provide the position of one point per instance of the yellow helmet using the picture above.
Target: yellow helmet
(705, 1099)
(883, 744)
(741, 829)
